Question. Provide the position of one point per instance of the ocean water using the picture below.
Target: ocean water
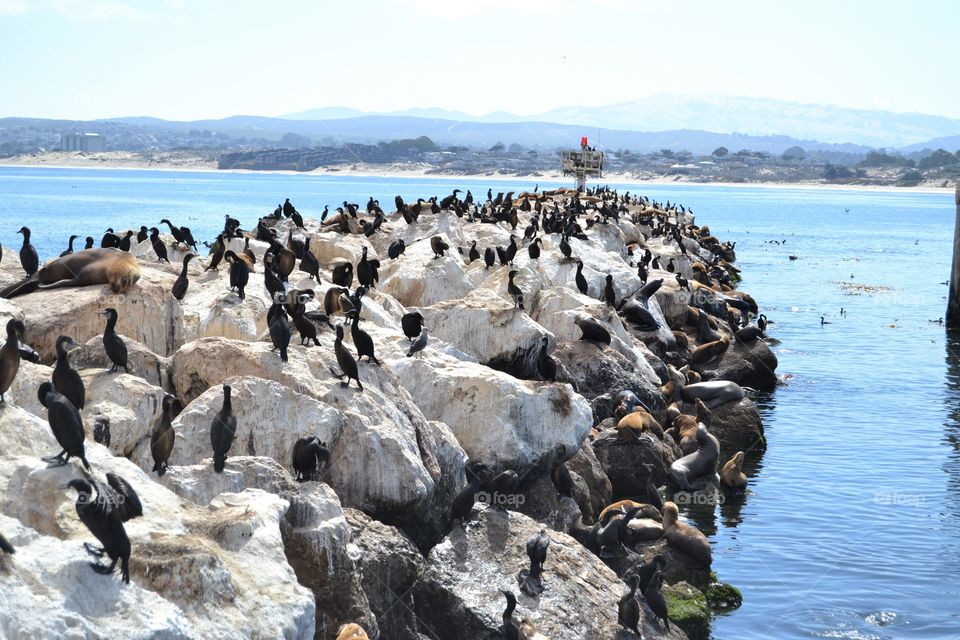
(851, 527)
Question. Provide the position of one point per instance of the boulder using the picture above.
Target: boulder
(458, 595)
(738, 427)
(749, 364)
(389, 565)
(623, 461)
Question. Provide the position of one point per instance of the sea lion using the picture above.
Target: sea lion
(714, 393)
(633, 424)
(749, 333)
(702, 463)
(592, 330)
(710, 352)
(351, 631)
(731, 475)
(687, 539)
(683, 428)
(89, 267)
(644, 510)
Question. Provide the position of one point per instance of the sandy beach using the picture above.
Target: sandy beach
(194, 161)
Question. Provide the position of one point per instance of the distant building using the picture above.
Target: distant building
(89, 142)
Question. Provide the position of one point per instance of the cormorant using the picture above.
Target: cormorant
(113, 344)
(222, 431)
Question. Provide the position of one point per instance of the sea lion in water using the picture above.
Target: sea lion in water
(702, 463)
(731, 475)
(687, 539)
(89, 267)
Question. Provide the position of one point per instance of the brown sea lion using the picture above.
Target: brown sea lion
(683, 428)
(709, 352)
(644, 510)
(633, 424)
(113, 267)
(351, 631)
(685, 538)
(731, 475)
(704, 414)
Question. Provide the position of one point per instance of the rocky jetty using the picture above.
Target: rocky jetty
(507, 407)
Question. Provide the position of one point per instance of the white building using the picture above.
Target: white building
(89, 142)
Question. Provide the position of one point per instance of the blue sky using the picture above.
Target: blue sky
(196, 59)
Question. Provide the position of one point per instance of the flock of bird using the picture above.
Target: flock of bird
(104, 507)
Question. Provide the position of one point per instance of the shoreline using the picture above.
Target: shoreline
(62, 161)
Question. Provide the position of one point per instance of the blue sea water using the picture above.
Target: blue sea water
(851, 528)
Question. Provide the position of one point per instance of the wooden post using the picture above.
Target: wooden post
(953, 301)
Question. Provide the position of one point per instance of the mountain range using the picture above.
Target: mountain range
(715, 114)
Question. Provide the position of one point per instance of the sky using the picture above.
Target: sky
(196, 59)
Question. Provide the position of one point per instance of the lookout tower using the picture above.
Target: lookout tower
(582, 163)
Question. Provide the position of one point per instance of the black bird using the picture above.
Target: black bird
(28, 253)
(580, 280)
(10, 356)
(396, 249)
(565, 248)
(511, 628)
(187, 238)
(489, 256)
(66, 380)
(682, 282)
(126, 241)
(69, 246)
(670, 266)
(537, 552)
(511, 249)
(348, 365)
(534, 249)
(222, 431)
(762, 323)
(158, 247)
(628, 609)
(272, 282)
(113, 344)
(364, 270)
(308, 454)
(297, 219)
(823, 321)
(181, 283)
(5, 546)
(89, 243)
(66, 424)
(104, 515)
(163, 437)
(362, 341)
(502, 487)
(288, 208)
(306, 327)
(438, 246)
(647, 570)
(248, 252)
(411, 323)
(514, 290)
(142, 234)
(463, 503)
(239, 273)
(279, 329)
(546, 364)
(655, 599)
(176, 232)
(420, 343)
(473, 254)
(110, 240)
(296, 245)
(309, 263)
(609, 295)
(342, 275)
(216, 253)
(502, 256)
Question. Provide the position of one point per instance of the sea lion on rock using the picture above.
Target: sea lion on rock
(714, 393)
(685, 538)
(592, 330)
(89, 267)
(351, 631)
(633, 424)
(644, 510)
(731, 475)
(710, 352)
(702, 463)
(683, 428)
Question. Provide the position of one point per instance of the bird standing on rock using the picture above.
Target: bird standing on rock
(348, 366)
(104, 516)
(514, 290)
(29, 259)
(158, 247)
(113, 344)
(438, 246)
(163, 437)
(181, 283)
(222, 431)
(65, 379)
(10, 356)
(66, 424)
